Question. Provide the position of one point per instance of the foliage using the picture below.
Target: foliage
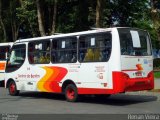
(73, 16)
(76, 15)
(156, 63)
(127, 12)
(157, 74)
(27, 16)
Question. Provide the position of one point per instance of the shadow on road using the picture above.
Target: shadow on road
(42, 95)
(121, 99)
(117, 100)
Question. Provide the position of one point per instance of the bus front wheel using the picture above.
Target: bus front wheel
(71, 93)
(13, 89)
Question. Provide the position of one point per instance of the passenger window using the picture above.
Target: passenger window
(39, 52)
(95, 47)
(64, 50)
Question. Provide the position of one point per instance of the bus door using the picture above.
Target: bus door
(136, 59)
(94, 52)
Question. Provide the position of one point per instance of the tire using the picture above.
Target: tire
(71, 93)
(13, 89)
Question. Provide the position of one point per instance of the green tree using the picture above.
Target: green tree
(155, 14)
(2, 28)
(127, 12)
(46, 16)
(73, 16)
(27, 16)
(13, 18)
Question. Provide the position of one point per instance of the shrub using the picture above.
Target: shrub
(156, 63)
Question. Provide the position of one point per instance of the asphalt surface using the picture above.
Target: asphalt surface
(46, 103)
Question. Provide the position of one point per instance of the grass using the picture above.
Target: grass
(157, 74)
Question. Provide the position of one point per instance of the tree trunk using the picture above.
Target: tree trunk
(156, 18)
(99, 10)
(22, 4)
(82, 16)
(40, 19)
(15, 29)
(2, 24)
(12, 20)
(14, 26)
(54, 18)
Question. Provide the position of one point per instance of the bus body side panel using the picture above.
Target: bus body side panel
(113, 67)
(93, 76)
(90, 78)
(43, 78)
(55, 75)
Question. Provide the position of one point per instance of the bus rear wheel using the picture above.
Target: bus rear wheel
(13, 89)
(71, 93)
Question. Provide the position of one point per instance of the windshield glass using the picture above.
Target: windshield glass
(134, 42)
(16, 57)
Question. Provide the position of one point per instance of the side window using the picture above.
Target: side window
(64, 50)
(126, 43)
(39, 52)
(95, 47)
(3, 52)
(16, 58)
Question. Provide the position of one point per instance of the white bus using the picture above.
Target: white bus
(103, 62)
(4, 49)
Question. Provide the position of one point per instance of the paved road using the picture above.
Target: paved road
(45, 103)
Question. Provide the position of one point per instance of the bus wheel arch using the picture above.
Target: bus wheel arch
(12, 88)
(65, 83)
(8, 82)
(70, 91)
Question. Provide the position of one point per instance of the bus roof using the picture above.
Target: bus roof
(65, 34)
(6, 44)
(95, 30)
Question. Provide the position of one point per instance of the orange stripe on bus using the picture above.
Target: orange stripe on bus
(49, 82)
(2, 66)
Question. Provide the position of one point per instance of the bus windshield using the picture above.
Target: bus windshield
(134, 42)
